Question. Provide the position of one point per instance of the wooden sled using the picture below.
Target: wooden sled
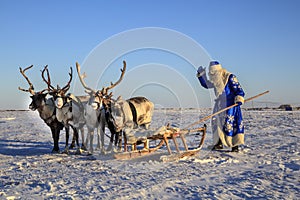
(173, 133)
(163, 135)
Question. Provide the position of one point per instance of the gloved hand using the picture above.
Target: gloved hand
(239, 103)
(200, 71)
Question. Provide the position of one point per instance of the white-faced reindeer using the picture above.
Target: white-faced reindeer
(46, 109)
(97, 111)
(69, 108)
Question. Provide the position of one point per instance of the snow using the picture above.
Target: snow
(268, 167)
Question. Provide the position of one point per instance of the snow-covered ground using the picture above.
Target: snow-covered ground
(268, 167)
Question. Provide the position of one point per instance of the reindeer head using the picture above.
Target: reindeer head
(38, 98)
(59, 94)
(117, 113)
(99, 98)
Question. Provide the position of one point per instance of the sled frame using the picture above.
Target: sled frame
(164, 139)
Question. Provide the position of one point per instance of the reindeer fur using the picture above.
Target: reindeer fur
(130, 114)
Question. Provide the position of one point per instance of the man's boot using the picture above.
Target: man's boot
(218, 146)
(235, 149)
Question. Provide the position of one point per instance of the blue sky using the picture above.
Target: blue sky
(256, 40)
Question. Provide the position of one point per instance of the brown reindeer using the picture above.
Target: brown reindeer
(69, 108)
(46, 108)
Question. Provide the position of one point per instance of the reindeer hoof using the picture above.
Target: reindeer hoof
(115, 150)
(103, 152)
(65, 151)
(109, 148)
(78, 151)
(98, 147)
(83, 148)
(71, 146)
(55, 151)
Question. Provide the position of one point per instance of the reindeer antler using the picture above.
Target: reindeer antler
(67, 87)
(81, 77)
(112, 85)
(31, 88)
(48, 81)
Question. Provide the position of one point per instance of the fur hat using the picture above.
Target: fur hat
(214, 66)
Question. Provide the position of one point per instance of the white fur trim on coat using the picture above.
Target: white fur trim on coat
(214, 68)
(200, 74)
(239, 98)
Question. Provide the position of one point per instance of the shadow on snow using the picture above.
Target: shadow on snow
(24, 148)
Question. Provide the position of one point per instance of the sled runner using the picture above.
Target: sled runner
(164, 135)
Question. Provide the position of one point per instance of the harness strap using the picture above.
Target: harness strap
(106, 114)
(133, 111)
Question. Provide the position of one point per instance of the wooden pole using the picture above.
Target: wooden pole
(224, 109)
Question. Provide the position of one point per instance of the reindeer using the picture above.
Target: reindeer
(69, 108)
(121, 115)
(142, 111)
(97, 111)
(46, 109)
(131, 114)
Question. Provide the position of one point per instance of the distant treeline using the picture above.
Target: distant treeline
(286, 107)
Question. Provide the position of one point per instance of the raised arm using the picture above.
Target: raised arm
(201, 74)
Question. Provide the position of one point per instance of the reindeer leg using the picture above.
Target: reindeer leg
(91, 141)
(119, 140)
(101, 135)
(78, 151)
(55, 136)
(112, 134)
(87, 140)
(116, 139)
(67, 129)
(125, 141)
(83, 144)
(75, 138)
(111, 140)
(111, 128)
(98, 139)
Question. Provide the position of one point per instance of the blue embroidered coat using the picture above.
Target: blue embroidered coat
(227, 126)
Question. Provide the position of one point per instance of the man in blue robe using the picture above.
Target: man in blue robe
(227, 127)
